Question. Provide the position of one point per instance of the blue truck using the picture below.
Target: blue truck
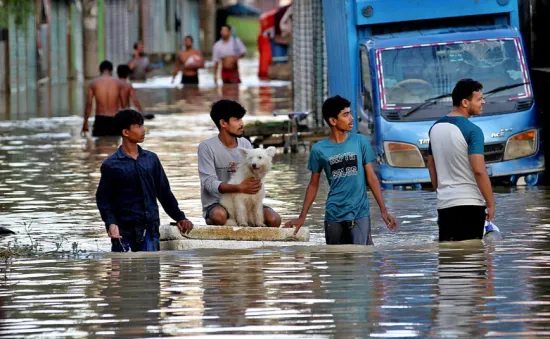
(397, 61)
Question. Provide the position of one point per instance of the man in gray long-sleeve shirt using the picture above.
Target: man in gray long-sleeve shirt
(218, 157)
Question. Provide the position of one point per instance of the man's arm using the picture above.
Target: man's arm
(132, 63)
(311, 194)
(240, 48)
(216, 72)
(88, 111)
(207, 170)
(135, 100)
(216, 58)
(477, 161)
(105, 196)
(177, 68)
(433, 172)
(374, 185)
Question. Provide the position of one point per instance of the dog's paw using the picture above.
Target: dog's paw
(243, 225)
(230, 222)
(261, 225)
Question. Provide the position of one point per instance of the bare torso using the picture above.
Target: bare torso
(107, 92)
(183, 56)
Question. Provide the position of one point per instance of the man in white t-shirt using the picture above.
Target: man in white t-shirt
(227, 51)
(456, 163)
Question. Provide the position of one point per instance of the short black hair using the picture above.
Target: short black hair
(189, 37)
(126, 118)
(333, 106)
(226, 109)
(228, 27)
(464, 89)
(123, 71)
(136, 44)
(105, 65)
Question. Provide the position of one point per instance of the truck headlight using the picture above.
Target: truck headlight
(521, 145)
(399, 154)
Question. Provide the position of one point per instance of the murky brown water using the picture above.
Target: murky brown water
(406, 286)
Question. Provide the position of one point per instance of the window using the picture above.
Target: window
(366, 83)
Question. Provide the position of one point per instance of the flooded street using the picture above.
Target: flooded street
(408, 285)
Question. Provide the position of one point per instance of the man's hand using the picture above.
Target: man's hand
(233, 166)
(490, 212)
(85, 127)
(250, 186)
(185, 226)
(113, 232)
(390, 221)
(298, 223)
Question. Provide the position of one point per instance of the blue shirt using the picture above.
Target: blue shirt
(128, 191)
(453, 140)
(344, 166)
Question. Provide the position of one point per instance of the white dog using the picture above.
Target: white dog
(247, 209)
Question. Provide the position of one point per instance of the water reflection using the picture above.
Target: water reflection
(461, 290)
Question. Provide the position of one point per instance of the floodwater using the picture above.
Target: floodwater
(408, 285)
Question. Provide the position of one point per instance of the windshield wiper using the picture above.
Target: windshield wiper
(427, 102)
(503, 88)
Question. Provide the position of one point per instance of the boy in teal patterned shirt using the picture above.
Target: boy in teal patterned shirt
(346, 159)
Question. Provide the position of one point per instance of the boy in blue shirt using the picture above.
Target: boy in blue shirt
(346, 159)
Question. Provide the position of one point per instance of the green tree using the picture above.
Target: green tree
(19, 10)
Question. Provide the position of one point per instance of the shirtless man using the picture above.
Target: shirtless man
(192, 61)
(107, 92)
(128, 91)
(227, 51)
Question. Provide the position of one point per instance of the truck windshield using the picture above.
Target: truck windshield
(411, 74)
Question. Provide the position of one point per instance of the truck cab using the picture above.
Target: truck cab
(403, 60)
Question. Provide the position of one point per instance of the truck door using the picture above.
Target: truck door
(365, 117)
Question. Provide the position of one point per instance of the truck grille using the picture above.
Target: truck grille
(523, 105)
(493, 153)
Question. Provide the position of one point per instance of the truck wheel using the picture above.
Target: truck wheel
(533, 179)
(387, 186)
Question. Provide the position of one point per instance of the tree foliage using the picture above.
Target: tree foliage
(19, 10)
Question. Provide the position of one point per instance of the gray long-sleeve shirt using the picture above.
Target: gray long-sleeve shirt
(214, 167)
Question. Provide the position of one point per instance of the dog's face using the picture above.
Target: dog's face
(258, 160)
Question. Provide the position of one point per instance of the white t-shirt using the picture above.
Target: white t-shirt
(452, 141)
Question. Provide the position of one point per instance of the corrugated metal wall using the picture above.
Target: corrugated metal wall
(22, 56)
(159, 35)
(190, 21)
(133, 21)
(309, 58)
(77, 40)
(59, 52)
(121, 30)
